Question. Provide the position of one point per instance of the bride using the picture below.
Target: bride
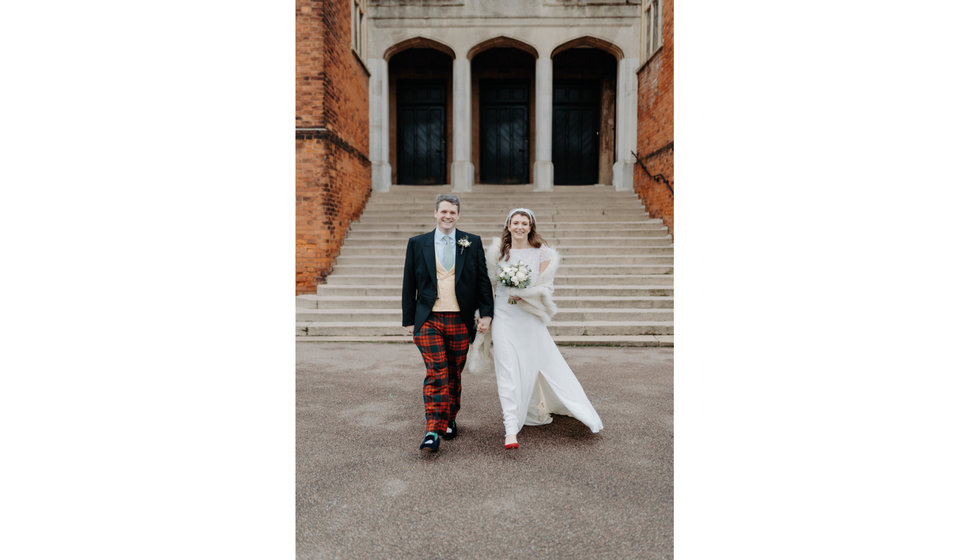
(522, 346)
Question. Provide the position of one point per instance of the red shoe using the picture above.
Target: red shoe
(511, 446)
(510, 442)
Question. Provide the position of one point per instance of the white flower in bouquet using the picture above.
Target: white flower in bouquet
(514, 276)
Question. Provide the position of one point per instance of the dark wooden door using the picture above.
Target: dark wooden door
(575, 133)
(421, 133)
(504, 132)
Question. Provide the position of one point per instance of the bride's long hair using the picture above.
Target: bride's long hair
(533, 239)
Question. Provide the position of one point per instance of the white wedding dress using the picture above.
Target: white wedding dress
(533, 379)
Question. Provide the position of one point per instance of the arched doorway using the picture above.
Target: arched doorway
(503, 103)
(420, 97)
(583, 114)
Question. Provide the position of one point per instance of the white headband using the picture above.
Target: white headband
(515, 210)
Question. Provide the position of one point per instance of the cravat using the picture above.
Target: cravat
(448, 255)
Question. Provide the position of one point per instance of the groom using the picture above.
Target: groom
(444, 284)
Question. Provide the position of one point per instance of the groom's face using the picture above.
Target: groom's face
(446, 216)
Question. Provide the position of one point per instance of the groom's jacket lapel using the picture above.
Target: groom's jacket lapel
(429, 253)
(460, 254)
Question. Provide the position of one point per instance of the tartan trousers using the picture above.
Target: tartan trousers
(443, 341)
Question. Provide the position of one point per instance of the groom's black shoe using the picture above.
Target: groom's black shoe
(430, 443)
(451, 431)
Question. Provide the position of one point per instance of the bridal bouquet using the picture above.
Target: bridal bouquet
(514, 276)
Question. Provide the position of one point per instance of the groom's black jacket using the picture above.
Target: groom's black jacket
(419, 285)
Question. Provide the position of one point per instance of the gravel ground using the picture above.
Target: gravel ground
(364, 490)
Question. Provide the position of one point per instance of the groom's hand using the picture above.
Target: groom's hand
(483, 324)
(408, 328)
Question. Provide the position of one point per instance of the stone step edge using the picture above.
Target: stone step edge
(429, 222)
(577, 266)
(381, 310)
(364, 236)
(389, 324)
(317, 297)
(400, 247)
(559, 276)
(372, 315)
(557, 288)
(661, 341)
(303, 300)
(387, 259)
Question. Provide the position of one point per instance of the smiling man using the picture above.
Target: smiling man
(445, 285)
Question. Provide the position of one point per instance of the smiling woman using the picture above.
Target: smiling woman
(519, 232)
(533, 378)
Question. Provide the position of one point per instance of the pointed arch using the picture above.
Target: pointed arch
(589, 41)
(502, 41)
(419, 43)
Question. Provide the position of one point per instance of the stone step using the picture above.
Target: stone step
(615, 287)
(514, 199)
(496, 230)
(490, 234)
(466, 222)
(580, 314)
(598, 260)
(429, 192)
(474, 202)
(469, 225)
(557, 242)
(491, 207)
(556, 328)
(562, 279)
(666, 341)
(596, 213)
(479, 187)
(607, 260)
(397, 269)
(570, 291)
(398, 247)
(496, 212)
(521, 200)
(311, 301)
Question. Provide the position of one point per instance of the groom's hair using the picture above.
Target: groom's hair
(452, 199)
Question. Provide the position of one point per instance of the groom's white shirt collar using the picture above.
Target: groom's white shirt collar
(440, 235)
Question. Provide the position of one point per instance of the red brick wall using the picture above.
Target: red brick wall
(333, 170)
(655, 127)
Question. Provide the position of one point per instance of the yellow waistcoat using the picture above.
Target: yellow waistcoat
(447, 288)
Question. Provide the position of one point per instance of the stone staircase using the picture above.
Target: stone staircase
(614, 288)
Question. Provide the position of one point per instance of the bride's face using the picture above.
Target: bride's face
(519, 226)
